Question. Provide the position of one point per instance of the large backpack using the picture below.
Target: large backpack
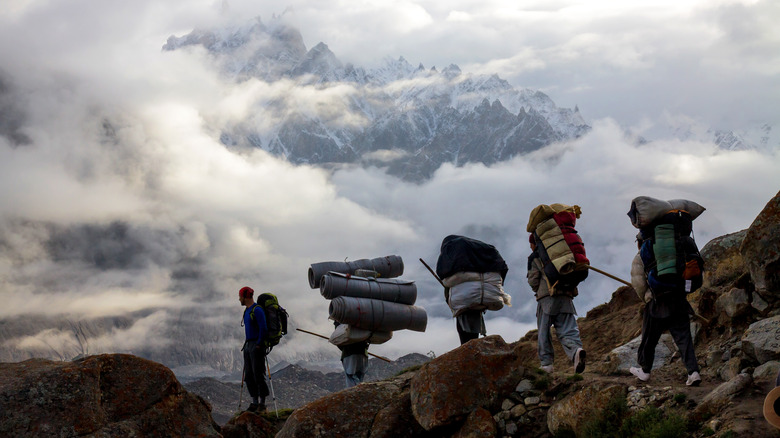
(670, 255)
(275, 319)
(556, 240)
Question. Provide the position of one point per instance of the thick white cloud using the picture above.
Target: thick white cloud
(121, 132)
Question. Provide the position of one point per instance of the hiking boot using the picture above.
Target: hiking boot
(640, 374)
(253, 407)
(694, 379)
(547, 368)
(579, 361)
(261, 408)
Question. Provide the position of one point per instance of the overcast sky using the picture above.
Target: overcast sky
(102, 127)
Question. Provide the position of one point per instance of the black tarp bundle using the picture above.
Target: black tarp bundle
(387, 267)
(464, 254)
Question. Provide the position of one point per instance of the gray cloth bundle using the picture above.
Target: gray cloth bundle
(644, 209)
(388, 267)
(377, 315)
(335, 284)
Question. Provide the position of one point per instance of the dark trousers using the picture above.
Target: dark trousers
(679, 326)
(254, 369)
(465, 336)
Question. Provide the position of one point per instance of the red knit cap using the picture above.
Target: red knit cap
(246, 291)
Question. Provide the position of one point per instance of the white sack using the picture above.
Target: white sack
(345, 334)
(476, 291)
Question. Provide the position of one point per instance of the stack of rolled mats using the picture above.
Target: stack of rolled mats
(367, 300)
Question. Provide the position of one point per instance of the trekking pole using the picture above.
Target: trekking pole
(432, 273)
(241, 391)
(271, 381)
(325, 337)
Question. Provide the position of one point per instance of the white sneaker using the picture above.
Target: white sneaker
(641, 375)
(579, 361)
(547, 368)
(694, 379)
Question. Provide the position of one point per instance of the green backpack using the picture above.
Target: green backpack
(275, 319)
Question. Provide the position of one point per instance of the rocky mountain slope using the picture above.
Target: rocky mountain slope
(403, 117)
(487, 387)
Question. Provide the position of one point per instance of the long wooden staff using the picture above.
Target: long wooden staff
(432, 273)
(609, 275)
(325, 337)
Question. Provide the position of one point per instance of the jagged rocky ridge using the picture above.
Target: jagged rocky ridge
(405, 118)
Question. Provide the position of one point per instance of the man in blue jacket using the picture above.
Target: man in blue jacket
(254, 349)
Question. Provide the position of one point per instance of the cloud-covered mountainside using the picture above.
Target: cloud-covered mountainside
(409, 119)
(127, 225)
(406, 119)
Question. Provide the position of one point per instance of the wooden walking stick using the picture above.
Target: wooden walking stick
(446, 289)
(432, 273)
(609, 275)
(325, 337)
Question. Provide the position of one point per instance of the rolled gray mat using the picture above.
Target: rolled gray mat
(388, 267)
(335, 284)
(377, 315)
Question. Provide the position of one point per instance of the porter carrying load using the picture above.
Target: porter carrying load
(472, 273)
(669, 253)
(559, 246)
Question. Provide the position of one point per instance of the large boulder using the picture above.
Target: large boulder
(105, 395)
(605, 328)
(622, 358)
(761, 341)
(478, 374)
(248, 425)
(479, 424)
(573, 411)
(719, 398)
(351, 412)
(396, 420)
(735, 303)
(723, 263)
(761, 250)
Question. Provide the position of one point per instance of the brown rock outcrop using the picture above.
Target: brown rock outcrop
(478, 374)
(478, 424)
(248, 425)
(723, 263)
(105, 395)
(351, 412)
(761, 252)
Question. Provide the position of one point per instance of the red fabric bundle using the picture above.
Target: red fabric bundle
(566, 221)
